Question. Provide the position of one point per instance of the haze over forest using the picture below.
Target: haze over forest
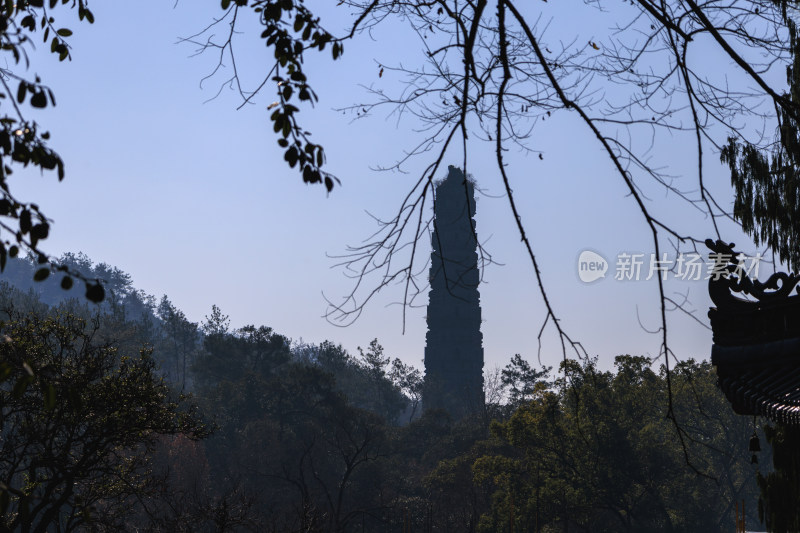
(243, 430)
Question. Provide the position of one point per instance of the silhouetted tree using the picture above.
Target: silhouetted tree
(522, 381)
(409, 382)
(385, 395)
(179, 342)
(79, 426)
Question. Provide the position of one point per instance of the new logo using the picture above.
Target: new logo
(591, 266)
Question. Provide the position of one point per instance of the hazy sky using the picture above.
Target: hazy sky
(192, 198)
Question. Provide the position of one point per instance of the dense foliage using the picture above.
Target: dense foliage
(79, 419)
(766, 181)
(96, 434)
(597, 454)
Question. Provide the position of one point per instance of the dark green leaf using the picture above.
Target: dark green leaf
(41, 274)
(291, 156)
(40, 231)
(25, 221)
(39, 99)
(95, 292)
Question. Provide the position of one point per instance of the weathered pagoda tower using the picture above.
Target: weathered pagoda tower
(454, 343)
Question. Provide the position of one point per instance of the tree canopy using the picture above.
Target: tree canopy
(79, 424)
(98, 435)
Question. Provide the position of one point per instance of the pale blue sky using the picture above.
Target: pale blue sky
(194, 201)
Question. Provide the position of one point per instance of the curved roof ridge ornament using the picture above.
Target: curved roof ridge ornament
(732, 277)
(756, 341)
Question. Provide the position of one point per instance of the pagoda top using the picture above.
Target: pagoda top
(455, 174)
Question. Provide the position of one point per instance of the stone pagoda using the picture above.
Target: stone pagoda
(454, 343)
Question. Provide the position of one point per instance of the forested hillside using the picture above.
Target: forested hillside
(126, 416)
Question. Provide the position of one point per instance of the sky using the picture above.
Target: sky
(191, 197)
